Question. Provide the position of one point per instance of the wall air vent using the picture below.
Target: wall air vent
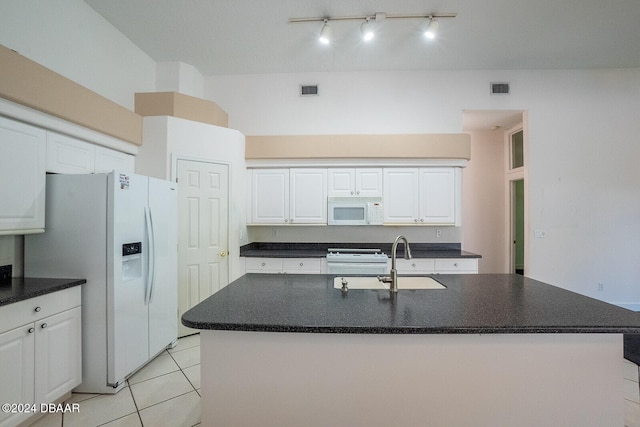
(308, 90)
(499, 88)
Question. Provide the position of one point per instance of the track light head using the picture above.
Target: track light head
(325, 33)
(432, 29)
(367, 30)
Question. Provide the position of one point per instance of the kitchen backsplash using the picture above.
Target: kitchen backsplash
(365, 234)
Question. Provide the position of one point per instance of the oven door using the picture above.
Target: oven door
(356, 268)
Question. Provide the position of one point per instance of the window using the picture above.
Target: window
(517, 150)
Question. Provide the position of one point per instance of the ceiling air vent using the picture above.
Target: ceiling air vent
(499, 88)
(308, 90)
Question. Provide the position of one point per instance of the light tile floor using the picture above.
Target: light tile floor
(166, 392)
(631, 394)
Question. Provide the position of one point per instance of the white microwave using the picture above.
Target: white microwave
(355, 211)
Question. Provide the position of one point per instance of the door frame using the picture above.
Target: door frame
(512, 175)
(175, 158)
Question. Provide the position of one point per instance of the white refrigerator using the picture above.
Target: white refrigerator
(119, 232)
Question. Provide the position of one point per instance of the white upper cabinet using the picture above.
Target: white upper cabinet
(437, 196)
(269, 196)
(308, 196)
(401, 202)
(108, 160)
(422, 196)
(70, 155)
(288, 196)
(361, 182)
(22, 177)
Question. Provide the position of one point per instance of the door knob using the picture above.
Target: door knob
(223, 253)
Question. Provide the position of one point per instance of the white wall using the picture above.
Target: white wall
(168, 138)
(70, 38)
(584, 147)
(179, 77)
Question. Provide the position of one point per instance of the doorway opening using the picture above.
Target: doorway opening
(517, 208)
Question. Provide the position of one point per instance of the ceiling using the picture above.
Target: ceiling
(253, 37)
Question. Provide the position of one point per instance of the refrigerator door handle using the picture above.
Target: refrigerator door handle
(151, 255)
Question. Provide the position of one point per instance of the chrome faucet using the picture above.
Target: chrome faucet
(392, 279)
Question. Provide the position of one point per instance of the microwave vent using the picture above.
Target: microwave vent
(308, 90)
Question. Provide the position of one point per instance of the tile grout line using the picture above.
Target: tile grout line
(182, 371)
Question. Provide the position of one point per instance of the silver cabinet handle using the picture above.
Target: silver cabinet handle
(44, 325)
(37, 309)
(415, 220)
(421, 219)
(455, 264)
(263, 264)
(413, 265)
(31, 330)
(301, 264)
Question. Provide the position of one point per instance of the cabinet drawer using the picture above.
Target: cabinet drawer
(415, 265)
(302, 265)
(33, 309)
(264, 265)
(456, 265)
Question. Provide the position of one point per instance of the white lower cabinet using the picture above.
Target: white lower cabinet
(40, 351)
(415, 266)
(284, 265)
(437, 265)
(456, 265)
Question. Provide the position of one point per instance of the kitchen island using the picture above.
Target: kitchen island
(486, 350)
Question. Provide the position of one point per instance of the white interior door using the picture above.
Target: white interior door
(203, 206)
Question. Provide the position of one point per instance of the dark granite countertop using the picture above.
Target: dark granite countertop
(319, 250)
(471, 303)
(19, 289)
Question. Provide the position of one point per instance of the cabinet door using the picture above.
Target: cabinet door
(415, 266)
(341, 182)
(22, 177)
(302, 265)
(263, 265)
(456, 265)
(308, 196)
(107, 160)
(270, 196)
(69, 155)
(16, 371)
(58, 363)
(368, 182)
(437, 196)
(401, 195)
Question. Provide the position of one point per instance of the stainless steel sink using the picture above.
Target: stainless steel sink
(404, 282)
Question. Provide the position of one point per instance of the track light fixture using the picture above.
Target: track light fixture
(325, 33)
(367, 27)
(432, 29)
(367, 30)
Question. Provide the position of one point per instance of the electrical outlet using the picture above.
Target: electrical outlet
(5, 271)
(600, 287)
(438, 233)
(539, 234)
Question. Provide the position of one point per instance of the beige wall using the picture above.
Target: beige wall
(483, 201)
(430, 146)
(26, 82)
